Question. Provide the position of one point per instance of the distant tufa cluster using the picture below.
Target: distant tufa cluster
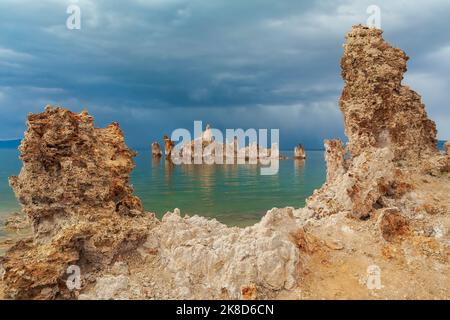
(387, 127)
(74, 187)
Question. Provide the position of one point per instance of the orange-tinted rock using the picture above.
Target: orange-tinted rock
(299, 152)
(335, 159)
(74, 187)
(156, 150)
(378, 110)
(168, 147)
(392, 224)
(386, 125)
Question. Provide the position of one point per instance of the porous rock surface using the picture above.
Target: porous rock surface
(211, 259)
(299, 152)
(156, 150)
(378, 110)
(74, 188)
(209, 151)
(390, 177)
(387, 127)
(197, 258)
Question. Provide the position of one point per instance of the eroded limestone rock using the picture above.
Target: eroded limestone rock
(378, 110)
(386, 125)
(205, 149)
(392, 224)
(215, 257)
(16, 222)
(201, 258)
(168, 147)
(74, 187)
(335, 159)
(156, 150)
(299, 152)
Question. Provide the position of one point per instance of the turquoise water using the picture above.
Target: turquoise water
(233, 194)
(9, 165)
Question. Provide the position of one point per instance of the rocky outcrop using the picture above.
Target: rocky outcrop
(168, 147)
(197, 258)
(378, 110)
(299, 152)
(74, 188)
(392, 224)
(206, 149)
(447, 148)
(220, 260)
(387, 128)
(70, 167)
(207, 135)
(335, 159)
(156, 150)
(16, 222)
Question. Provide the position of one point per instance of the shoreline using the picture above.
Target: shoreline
(378, 228)
(227, 188)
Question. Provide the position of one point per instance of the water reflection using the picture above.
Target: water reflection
(169, 168)
(236, 194)
(156, 161)
(299, 166)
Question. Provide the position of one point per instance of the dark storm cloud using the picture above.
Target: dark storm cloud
(158, 65)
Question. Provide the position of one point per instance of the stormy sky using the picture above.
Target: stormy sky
(158, 65)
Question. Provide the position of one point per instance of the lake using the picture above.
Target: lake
(233, 194)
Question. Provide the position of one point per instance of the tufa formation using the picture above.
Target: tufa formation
(156, 150)
(378, 110)
(299, 152)
(387, 127)
(74, 187)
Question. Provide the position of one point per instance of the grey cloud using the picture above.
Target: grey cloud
(160, 64)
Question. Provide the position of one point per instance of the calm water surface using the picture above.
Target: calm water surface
(233, 194)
